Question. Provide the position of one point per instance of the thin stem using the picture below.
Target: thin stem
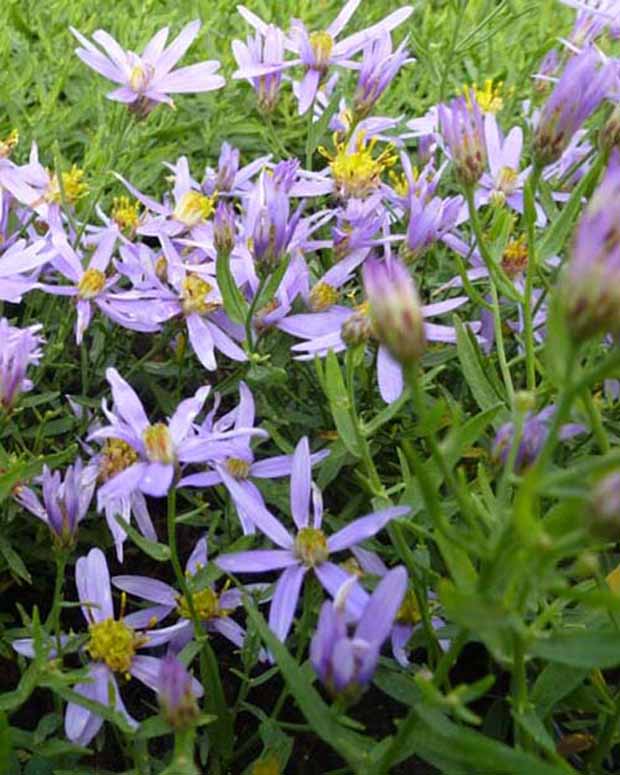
(605, 740)
(250, 316)
(528, 317)
(596, 421)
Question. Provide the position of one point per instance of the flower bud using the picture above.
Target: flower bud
(463, 132)
(177, 692)
(395, 309)
(224, 228)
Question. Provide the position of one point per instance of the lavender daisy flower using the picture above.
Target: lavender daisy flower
(65, 502)
(533, 437)
(112, 646)
(146, 80)
(378, 69)
(589, 289)
(580, 90)
(264, 50)
(345, 664)
(177, 692)
(308, 549)
(236, 457)
(395, 309)
(463, 132)
(159, 447)
(21, 347)
(318, 51)
(429, 221)
(213, 608)
(229, 178)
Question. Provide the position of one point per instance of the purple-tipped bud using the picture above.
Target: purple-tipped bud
(605, 511)
(428, 221)
(463, 131)
(224, 229)
(273, 230)
(177, 692)
(20, 348)
(580, 90)
(395, 309)
(590, 288)
(547, 68)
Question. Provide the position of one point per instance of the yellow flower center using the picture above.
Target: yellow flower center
(158, 443)
(116, 456)
(140, 76)
(206, 604)
(125, 213)
(322, 297)
(194, 207)
(515, 256)
(409, 612)
(488, 97)
(238, 468)
(113, 642)
(91, 284)
(358, 173)
(194, 296)
(322, 45)
(311, 546)
(6, 146)
(73, 186)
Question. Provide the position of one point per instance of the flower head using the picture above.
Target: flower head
(395, 309)
(147, 79)
(578, 93)
(177, 693)
(463, 131)
(345, 664)
(21, 347)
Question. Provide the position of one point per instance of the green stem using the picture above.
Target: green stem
(250, 316)
(596, 423)
(52, 623)
(528, 318)
(605, 740)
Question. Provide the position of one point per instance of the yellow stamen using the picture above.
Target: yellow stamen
(409, 612)
(206, 605)
(73, 186)
(488, 97)
(322, 297)
(115, 643)
(358, 173)
(322, 45)
(515, 256)
(116, 456)
(194, 296)
(125, 213)
(311, 546)
(6, 146)
(91, 284)
(238, 468)
(194, 207)
(158, 443)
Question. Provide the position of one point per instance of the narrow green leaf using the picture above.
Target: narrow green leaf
(339, 403)
(470, 358)
(235, 305)
(155, 550)
(583, 649)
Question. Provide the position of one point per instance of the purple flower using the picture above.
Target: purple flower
(308, 549)
(148, 79)
(65, 503)
(264, 50)
(590, 287)
(158, 447)
(463, 132)
(345, 664)
(318, 51)
(379, 67)
(21, 347)
(235, 456)
(533, 436)
(578, 93)
(429, 221)
(17, 263)
(213, 608)
(395, 309)
(177, 692)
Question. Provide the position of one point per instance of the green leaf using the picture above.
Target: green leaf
(340, 404)
(235, 305)
(582, 649)
(473, 370)
(155, 550)
(318, 128)
(553, 684)
(13, 560)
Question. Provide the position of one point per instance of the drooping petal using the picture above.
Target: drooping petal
(285, 599)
